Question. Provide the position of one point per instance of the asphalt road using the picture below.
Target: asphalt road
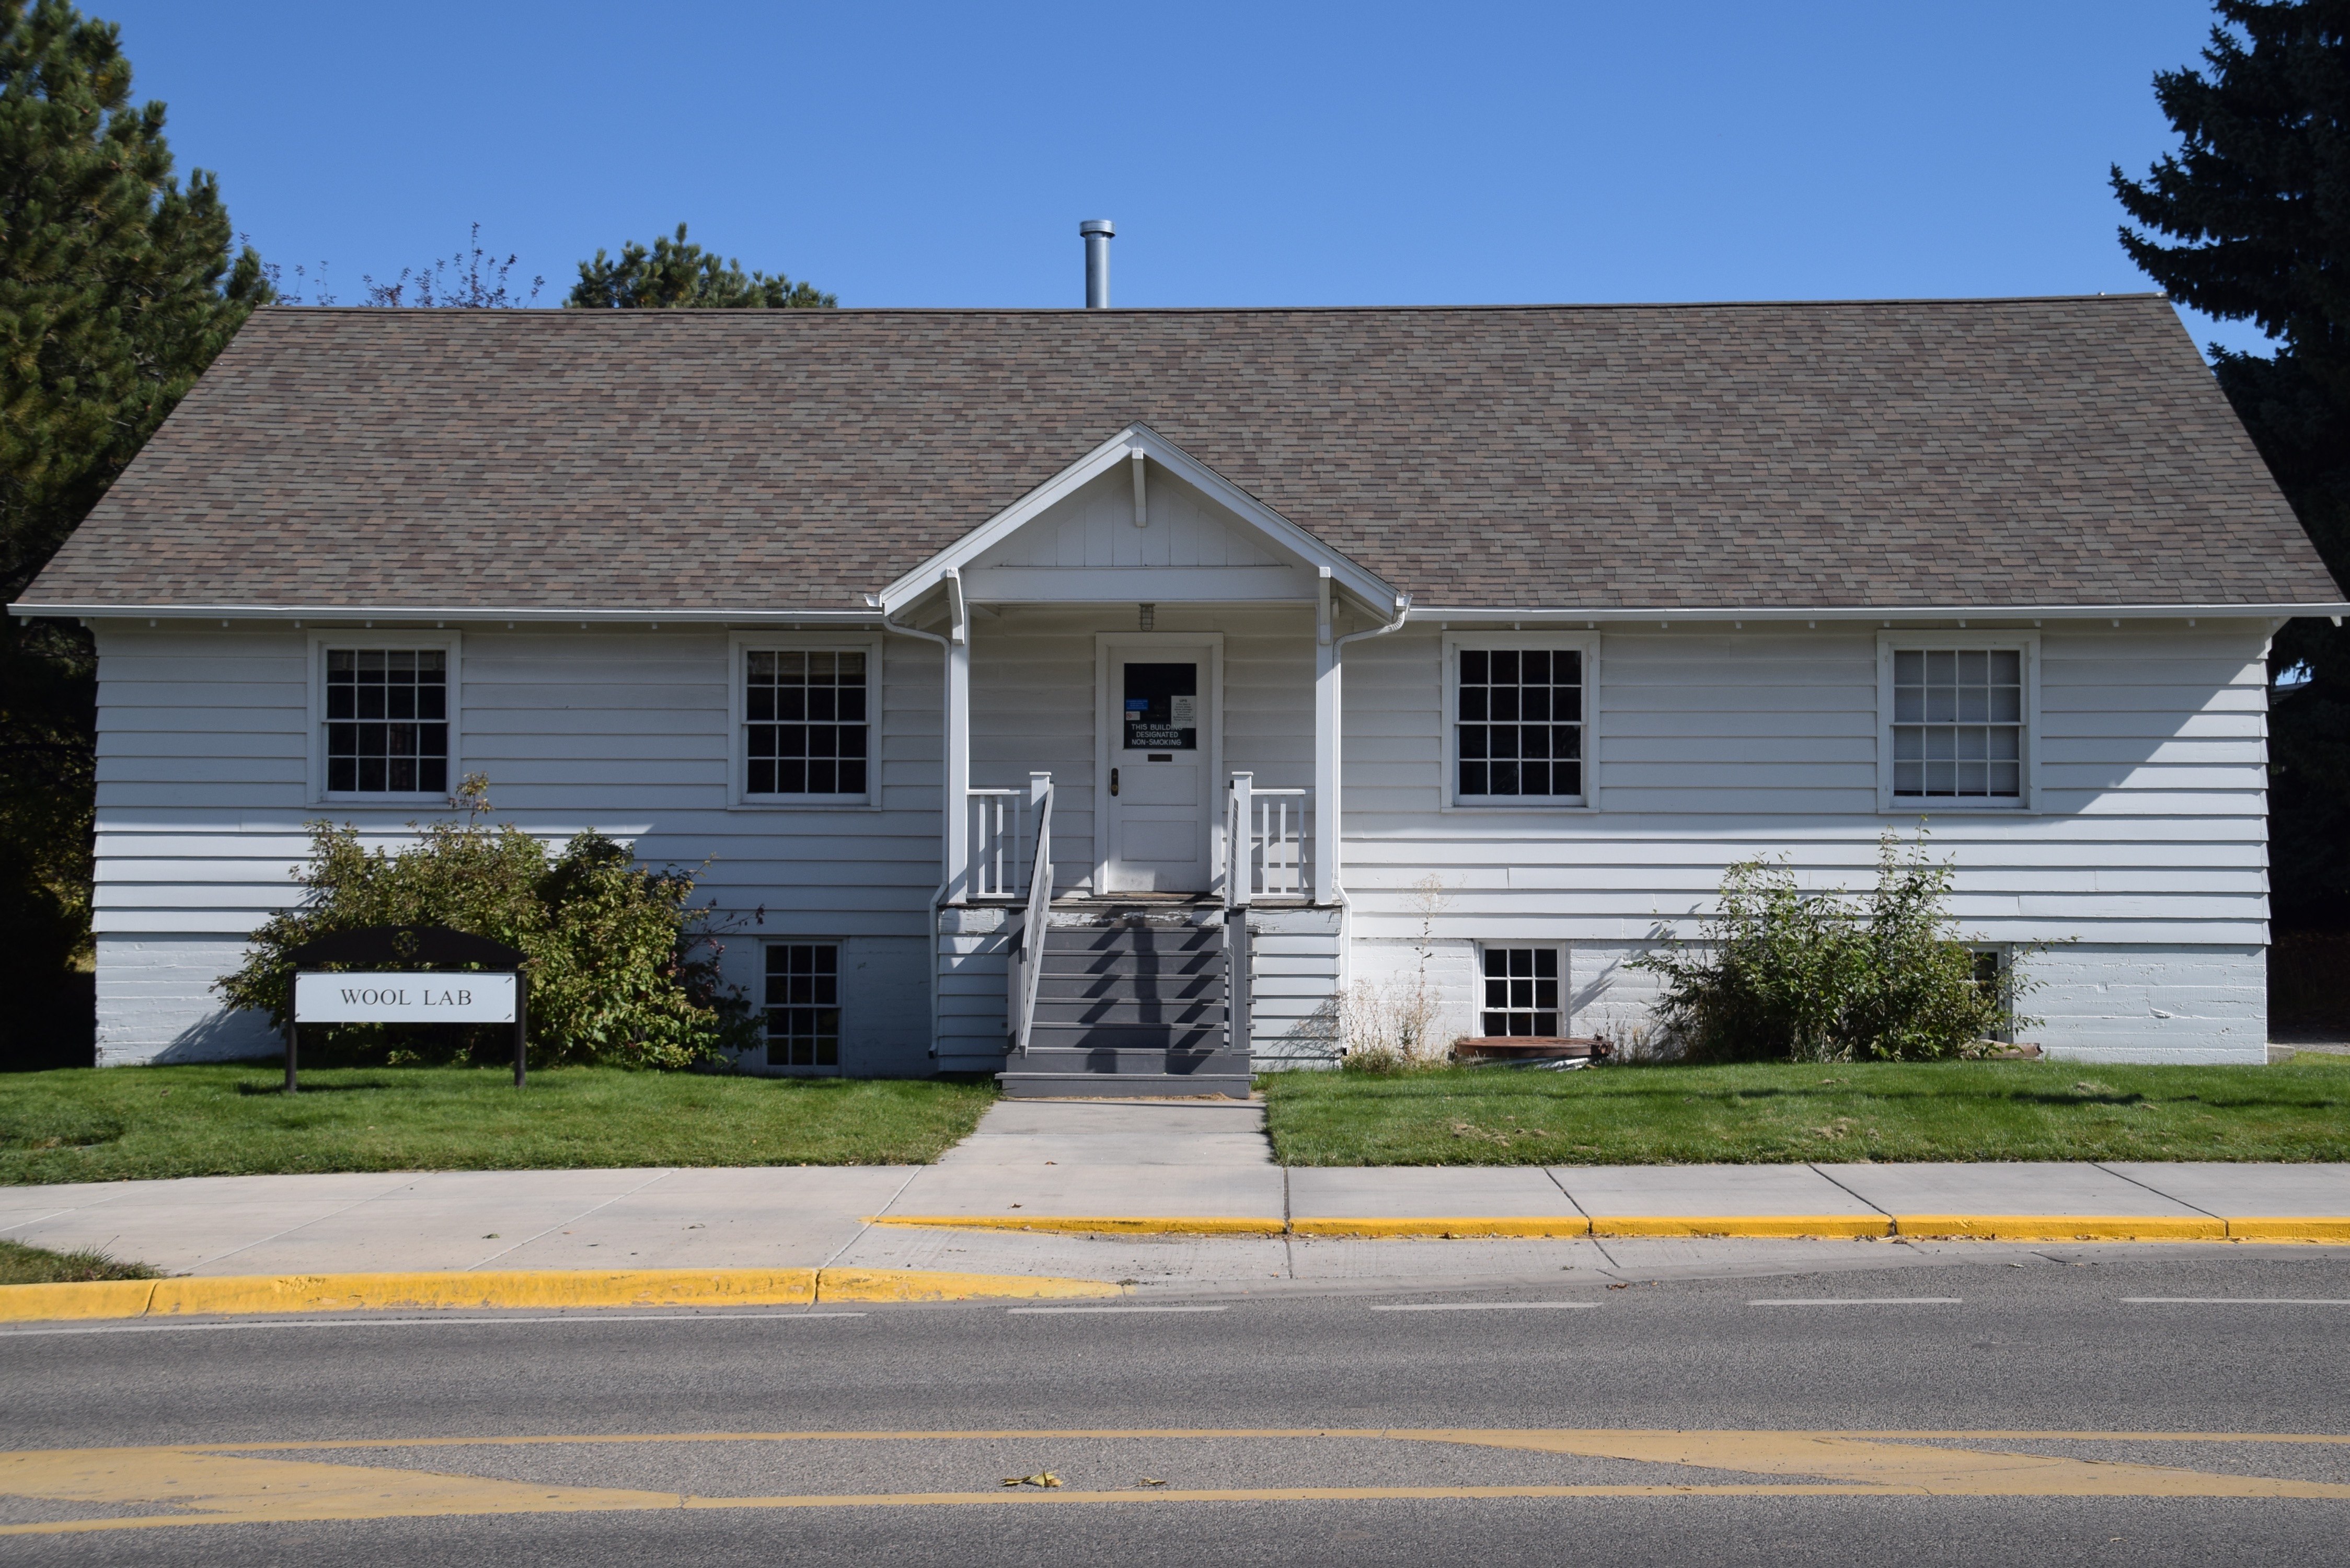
(1418, 1418)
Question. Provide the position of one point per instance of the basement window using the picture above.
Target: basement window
(1521, 991)
(803, 1004)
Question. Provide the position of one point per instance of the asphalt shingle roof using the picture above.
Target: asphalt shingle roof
(1900, 453)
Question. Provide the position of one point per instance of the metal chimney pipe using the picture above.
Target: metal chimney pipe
(1098, 233)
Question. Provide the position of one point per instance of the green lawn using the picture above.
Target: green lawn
(1779, 1113)
(23, 1265)
(116, 1123)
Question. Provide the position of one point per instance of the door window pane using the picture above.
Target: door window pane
(1161, 711)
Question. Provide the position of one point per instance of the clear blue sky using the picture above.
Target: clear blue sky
(1250, 154)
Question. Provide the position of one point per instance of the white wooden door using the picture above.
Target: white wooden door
(1161, 724)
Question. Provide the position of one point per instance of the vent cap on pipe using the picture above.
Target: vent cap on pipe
(1098, 233)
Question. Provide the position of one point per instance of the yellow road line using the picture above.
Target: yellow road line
(229, 1483)
(539, 1288)
(1439, 1434)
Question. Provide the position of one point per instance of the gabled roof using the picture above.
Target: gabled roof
(1893, 454)
(1132, 442)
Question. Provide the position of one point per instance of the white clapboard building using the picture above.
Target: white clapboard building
(1471, 643)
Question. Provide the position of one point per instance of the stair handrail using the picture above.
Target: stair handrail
(1028, 959)
(1240, 883)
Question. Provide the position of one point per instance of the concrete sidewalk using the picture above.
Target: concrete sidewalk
(1164, 1193)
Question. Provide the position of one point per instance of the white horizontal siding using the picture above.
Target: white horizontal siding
(2147, 834)
(204, 790)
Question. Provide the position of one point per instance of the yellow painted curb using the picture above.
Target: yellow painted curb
(548, 1288)
(1559, 1225)
(1114, 1224)
(91, 1298)
(2312, 1228)
(2063, 1227)
(484, 1288)
(923, 1285)
(1780, 1226)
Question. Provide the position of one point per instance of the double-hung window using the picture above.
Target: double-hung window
(1516, 712)
(385, 725)
(1956, 720)
(804, 723)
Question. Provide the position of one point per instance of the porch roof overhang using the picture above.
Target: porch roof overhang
(1128, 584)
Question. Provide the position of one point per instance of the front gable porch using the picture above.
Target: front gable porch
(1142, 671)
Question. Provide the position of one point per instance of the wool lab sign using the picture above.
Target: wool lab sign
(407, 995)
(404, 998)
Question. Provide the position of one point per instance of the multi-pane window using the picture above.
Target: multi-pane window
(1520, 718)
(1521, 991)
(803, 1004)
(1958, 723)
(805, 710)
(387, 721)
(1990, 974)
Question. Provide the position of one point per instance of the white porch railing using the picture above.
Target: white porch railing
(1028, 960)
(1270, 831)
(996, 869)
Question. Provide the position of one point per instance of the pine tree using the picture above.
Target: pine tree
(117, 289)
(676, 274)
(2258, 199)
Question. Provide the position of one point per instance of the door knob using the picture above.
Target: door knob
(1113, 781)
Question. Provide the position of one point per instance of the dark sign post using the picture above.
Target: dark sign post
(493, 993)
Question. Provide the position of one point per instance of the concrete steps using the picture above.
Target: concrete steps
(1130, 1001)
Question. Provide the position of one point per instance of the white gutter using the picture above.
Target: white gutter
(464, 614)
(1463, 615)
(1889, 614)
(938, 894)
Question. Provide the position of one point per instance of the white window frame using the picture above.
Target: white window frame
(448, 643)
(1565, 951)
(740, 647)
(1888, 643)
(1583, 643)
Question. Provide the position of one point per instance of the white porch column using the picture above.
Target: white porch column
(956, 805)
(1326, 748)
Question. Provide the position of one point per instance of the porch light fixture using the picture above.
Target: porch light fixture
(1147, 618)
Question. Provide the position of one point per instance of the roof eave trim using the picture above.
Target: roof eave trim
(1479, 614)
(1363, 584)
(634, 615)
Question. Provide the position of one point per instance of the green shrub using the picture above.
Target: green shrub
(1778, 973)
(622, 971)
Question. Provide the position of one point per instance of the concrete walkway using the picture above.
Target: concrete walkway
(1140, 1192)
